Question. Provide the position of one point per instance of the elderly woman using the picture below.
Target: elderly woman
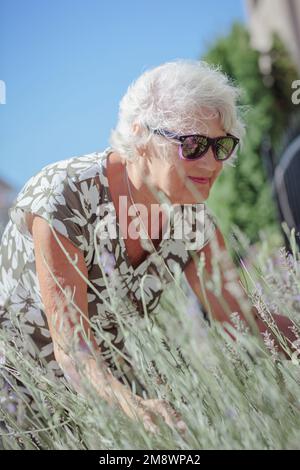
(178, 126)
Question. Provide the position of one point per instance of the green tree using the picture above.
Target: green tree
(242, 195)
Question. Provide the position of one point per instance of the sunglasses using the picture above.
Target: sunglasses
(194, 146)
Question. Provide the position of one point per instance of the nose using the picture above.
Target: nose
(209, 162)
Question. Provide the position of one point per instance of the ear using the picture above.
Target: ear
(137, 129)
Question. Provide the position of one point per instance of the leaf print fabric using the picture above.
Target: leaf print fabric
(73, 195)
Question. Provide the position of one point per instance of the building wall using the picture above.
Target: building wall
(281, 16)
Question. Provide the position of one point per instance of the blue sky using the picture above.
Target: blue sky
(67, 63)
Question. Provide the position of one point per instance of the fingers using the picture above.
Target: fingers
(170, 415)
(182, 427)
(149, 410)
(146, 416)
(175, 418)
(149, 424)
(166, 412)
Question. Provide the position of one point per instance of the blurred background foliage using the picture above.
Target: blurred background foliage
(243, 195)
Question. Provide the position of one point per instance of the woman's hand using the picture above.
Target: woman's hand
(149, 410)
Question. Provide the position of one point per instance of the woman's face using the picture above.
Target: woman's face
(173, 176)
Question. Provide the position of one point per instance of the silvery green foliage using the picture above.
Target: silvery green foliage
(232, 394)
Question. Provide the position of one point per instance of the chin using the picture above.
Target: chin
(197, 199)
(182, 195)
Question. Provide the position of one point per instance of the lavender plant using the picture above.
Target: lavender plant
(232, 394)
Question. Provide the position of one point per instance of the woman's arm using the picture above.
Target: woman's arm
(62, 321)
(62, 318)
(230, 277)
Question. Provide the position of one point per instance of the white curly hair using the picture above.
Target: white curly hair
(170, 97)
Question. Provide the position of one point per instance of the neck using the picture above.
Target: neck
(139, 186)
(141, 191)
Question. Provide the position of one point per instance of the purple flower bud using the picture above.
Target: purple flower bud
(108, 262)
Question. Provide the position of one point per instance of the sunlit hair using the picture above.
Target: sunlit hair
(169, 97)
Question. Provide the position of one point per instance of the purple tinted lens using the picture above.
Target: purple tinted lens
(194, 146)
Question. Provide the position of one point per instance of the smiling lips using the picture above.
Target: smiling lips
(199, 180)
